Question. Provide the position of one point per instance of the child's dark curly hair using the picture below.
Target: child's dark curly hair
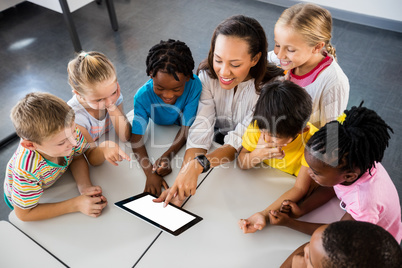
(358, 141)
(170, 57)
(353, 244)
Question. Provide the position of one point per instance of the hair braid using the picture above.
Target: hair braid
(359, 142)
(171, 57)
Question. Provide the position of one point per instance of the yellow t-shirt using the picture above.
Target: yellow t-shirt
(294, 151)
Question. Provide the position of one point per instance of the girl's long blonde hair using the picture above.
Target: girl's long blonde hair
(313, 22)
(88, 69)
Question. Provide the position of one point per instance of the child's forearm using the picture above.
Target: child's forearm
(178, 142)
(47, 211)
(95, 156)
(120, 123)
(80, 171)
(302, 226)
(141, 154)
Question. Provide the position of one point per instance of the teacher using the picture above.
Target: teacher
(231, 77)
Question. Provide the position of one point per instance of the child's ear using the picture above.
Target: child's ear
(350, 176)
(318, 47)
(305, 129)
(75, 92)
(28, 145)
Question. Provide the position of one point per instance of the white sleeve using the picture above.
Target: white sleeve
(334, 100)
(234, 137)
(201, 132)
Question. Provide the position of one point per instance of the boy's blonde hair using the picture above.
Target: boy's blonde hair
(88, 69)
(313, 22)
(40, 115)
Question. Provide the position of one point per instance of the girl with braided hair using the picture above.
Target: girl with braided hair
(303, 48)
(346, 154)
(170, 97)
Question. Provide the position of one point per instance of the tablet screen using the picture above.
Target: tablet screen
(172, 219)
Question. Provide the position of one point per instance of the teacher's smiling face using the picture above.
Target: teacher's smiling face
(232, 61)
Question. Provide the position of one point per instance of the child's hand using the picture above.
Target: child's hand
(91, 189)
(154, 184)
(268, 150)
(111, 108)
(291, 208)
(162, 166)
(278, 218)
(253, 223)
(113, 153)
(91, 203)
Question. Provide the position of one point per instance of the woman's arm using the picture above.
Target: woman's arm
(186, 182)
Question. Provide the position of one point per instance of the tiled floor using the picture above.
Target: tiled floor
(35, 48)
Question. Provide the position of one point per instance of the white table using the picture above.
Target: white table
(116, 238)
(227, 195)
(14, 243)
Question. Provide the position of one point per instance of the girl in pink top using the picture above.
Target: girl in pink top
(346, 154)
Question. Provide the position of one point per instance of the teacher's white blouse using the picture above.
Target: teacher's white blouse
(223, 110)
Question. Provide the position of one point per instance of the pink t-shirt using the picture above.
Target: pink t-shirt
(373, 198)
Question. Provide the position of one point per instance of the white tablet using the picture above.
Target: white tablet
(171, 219)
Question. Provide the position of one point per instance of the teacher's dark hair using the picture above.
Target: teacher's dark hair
(250, 30)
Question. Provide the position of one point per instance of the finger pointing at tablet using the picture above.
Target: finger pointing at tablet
(174, 199)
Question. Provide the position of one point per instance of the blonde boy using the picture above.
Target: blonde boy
(50, 143)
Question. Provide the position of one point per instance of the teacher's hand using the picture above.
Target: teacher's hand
(186, 182)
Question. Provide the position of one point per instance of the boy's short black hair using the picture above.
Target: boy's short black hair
(283, 109)
(171, 56)
(353, 244)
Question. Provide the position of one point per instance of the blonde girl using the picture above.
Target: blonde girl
(98, 104)
(303, 49)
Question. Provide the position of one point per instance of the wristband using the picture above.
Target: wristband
(204, 162)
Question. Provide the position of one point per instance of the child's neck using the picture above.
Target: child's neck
(309, 65)
(97, 114)
(54, 159)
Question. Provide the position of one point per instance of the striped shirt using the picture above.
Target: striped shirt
(29, 173)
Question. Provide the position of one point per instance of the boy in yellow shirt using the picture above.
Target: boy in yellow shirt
(277, 137)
